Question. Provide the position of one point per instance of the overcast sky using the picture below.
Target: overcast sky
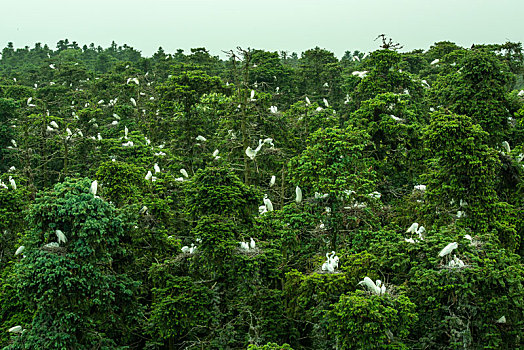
(291, 25)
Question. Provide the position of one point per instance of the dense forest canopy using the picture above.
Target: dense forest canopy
(262, 201)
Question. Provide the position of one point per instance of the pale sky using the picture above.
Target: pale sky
(291, 25)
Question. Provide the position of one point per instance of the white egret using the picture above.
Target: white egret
(410, 240)
(325, 102)
(252, 244)
(128, 144)
(319, 109)
(361, 75)
(308, 102)
(252, 153)
(185, 249)
(397, 119)
(468, 237)
(375, 195)
(12, 182)
(12, 169)
(267, 203)
(149, 175)
(68, 131)
(143, 210)
(252, 95)
(298, 192)
(448, 249)
(193, 249)
(100, 102)
(49, 129)
(273, 109)
(3, 185)
(421, 188)
(201, 138)
(521, 93)
(435, 61)
(61, 236)
(505, 144)
(368, 282)
(413, 228)
(244, 246)
(319, 195)
(19, 250)
(99, 137)
(29, 100)
(262, 209)
(215, 153)
(157, 168)
(501, 320)
(54, 124)
(114, 122)
(13, 142)
(125, 132)
(15, 329)
(184, 172)
(52, 66)
(133, 101)
(269, 141)
(272, 181)
(94, 187)
(356, 58)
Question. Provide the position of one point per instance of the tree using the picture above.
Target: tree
(79, 297)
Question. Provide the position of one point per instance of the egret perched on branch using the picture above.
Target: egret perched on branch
(298, 192)
(185, 249)
(397, 119)
(201, 138)
(19, 250)
(244, 246)
(252, 244)
(273, 109)
(149, 175)
(128, 144)
(15, 329)
(421, 188)
(448, 249)
(193, 249)
(157, 168)
(184, 172)
(505, 144)
(94, 187)
(215, 154)
(325, 102)
(13, 142)
(133, 101)
(267, 203)
(252, 153)
(61, 236)
(368, 282)
(361, 75)
(308, 102)
(125, 132)
(501, 320)
(54, 124)
(252, 95)
(12, 182)
(435, 61)
(272, 181)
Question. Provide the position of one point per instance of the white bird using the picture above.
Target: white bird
(94, 187)
(13, 142)
(193, 249)
(149, 175)
(252, 244)
(19, 250)
(356, 58)
(114, 122)
(252, 94)
(421, 188)
(61, 236)
(375, 195)
(468, 237)
(128, 144)
(201, 138)
(12, 182)
(272, 181)
(267, 203)
(298, 192)
(252, 153)
(15, 329)
(325, 102)
(410, 240)
(435, 61)
(308, 102)
(99, 137)
(185, 249)
(133, 101)
(397, 119)
(68, 131)
(448, 249)
(505, 144)
(100, 102)
(215, 154)
(368, 282)
(361, 75)
(29, 100)
(125, 132)
(143, 209)
(269, 141)
(521, 93)
(413, 228)
(50, 129)
(273, 109)
(244, 246)
(54, 124)
(501, 320)
(52, 66)
(184, 172)
(157, 168)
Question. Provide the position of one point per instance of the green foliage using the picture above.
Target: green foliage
(362, 321)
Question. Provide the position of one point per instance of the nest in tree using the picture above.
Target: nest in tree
(55, 249)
